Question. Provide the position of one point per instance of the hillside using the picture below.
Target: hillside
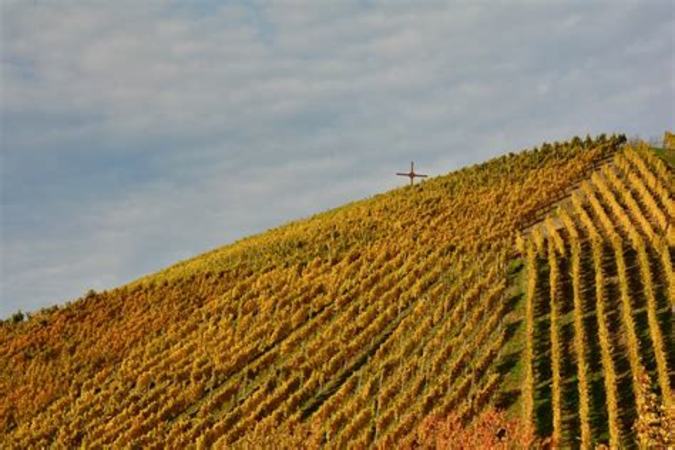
(539, 282)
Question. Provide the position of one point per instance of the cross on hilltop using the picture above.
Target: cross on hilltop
(412, 175)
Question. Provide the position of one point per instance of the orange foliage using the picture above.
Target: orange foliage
(492, 429)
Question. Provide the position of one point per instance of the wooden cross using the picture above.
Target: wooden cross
(412, 175)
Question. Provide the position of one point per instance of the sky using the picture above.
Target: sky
(136, 134)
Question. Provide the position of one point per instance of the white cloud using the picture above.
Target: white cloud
(137, 133)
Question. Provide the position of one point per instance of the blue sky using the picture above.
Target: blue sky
(135, 134)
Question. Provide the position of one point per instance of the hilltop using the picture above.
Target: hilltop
(538, 283)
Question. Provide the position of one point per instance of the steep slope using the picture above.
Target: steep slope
(599, 295)
(368, 318)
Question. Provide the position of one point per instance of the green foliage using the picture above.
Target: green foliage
(18, 317)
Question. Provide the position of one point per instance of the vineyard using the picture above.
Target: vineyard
(600, 295)
(540, 283)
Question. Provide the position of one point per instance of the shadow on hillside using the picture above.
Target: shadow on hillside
(664, 314)
(598, 411)
(568, 367)
(640, 315)
(570, 388)
(622, 367)
(541, 348)
(512, 302)
(505, 399)
(639, 310)
(508, 362)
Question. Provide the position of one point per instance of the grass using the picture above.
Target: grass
(509, 395)
(668, 155)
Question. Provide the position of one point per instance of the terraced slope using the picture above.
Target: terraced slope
(599, 295)
(366, 319)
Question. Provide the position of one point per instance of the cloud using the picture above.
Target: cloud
(135, 134)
